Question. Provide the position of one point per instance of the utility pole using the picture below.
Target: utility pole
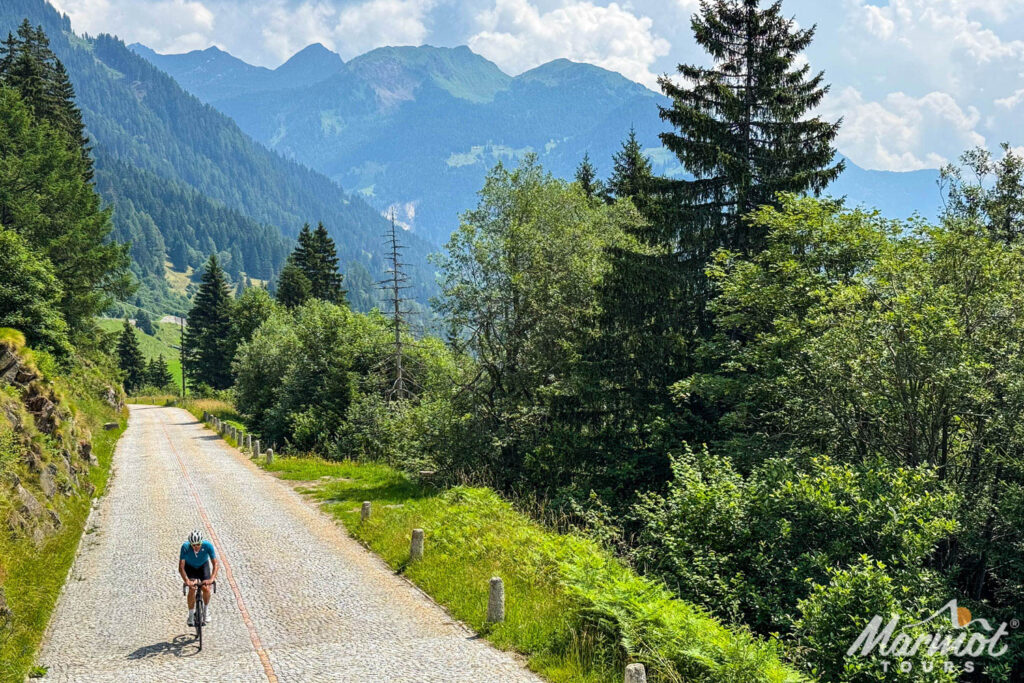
(181, 354)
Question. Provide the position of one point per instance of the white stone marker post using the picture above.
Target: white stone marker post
(635, 673)
(256, 448)
(364, 514)
(416, 547)
(270, 455)
(496, 601)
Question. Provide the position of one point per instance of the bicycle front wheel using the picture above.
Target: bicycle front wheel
(200, 618)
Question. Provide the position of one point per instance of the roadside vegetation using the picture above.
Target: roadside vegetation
(576, 612)
(47, 483)
(61, 400)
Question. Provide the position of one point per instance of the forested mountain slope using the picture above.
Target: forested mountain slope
(418, 127)
(180, 173)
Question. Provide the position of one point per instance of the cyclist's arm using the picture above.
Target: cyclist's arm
(216, 568)
(181, 570)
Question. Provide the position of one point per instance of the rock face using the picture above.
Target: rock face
(48, 482)
(53, 448)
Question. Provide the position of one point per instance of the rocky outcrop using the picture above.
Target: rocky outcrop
(53, 449)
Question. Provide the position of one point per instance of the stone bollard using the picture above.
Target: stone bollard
(256, 448)
(364, 514)
(270, 455)
(416, 547)
(635, 673)
(496, 601)
(248, 442)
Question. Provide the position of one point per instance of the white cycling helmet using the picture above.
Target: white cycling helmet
(195, 537)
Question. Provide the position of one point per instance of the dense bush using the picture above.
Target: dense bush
(316, 378)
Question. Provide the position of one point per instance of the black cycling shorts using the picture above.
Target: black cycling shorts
(202, 573)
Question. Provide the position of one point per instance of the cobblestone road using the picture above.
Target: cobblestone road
(304, 601)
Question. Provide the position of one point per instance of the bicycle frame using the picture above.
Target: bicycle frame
(200, 605)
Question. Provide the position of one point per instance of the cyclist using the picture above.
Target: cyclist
(197, 565)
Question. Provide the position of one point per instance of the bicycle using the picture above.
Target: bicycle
(200, 615)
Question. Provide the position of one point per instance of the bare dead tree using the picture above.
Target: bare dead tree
(403, 383)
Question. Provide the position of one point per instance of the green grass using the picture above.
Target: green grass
(577, 613)
(167, 337)
(34, 576)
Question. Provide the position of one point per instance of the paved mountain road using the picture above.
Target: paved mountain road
(302, 602)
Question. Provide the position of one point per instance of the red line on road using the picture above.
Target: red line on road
(268, 668)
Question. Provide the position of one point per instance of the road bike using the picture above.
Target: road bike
(200, 615)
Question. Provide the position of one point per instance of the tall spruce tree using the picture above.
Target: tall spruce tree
(45, 169)
(744, 129)
(293, 287)
(208, 345)
(586, 176)
(325, 277)
(316, 257)
(157, 372)
(129, 358)
(631, 176)
(28, 65)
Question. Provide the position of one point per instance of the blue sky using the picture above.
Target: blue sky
(917, 81)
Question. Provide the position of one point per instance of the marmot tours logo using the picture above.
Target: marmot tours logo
(956, 639)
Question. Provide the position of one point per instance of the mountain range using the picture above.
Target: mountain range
(185, 181)
(417, 128)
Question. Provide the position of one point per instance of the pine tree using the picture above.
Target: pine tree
(144, 323)
(157, 373)
(631, 174)
(293, 287)
(316, 258)
(46, 198)
(744, 130)
(586, 176)
(208, 346)
(325, 277)
(302, 256)
(130, 359)
(29, 65)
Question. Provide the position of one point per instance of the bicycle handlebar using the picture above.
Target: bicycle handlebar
(184, 586)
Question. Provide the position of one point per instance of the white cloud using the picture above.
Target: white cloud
(943, 39)
(349, 30)
(517, 36)
(382, 22)
(164, 25)
(1012, 101)
(903, 133)
(287, 29)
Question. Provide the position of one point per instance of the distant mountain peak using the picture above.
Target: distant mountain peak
(315, 56)
(458, 70)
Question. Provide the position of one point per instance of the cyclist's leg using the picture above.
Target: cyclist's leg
(207, 571)
(192, 573)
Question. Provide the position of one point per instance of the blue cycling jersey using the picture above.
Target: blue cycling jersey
(194, 559)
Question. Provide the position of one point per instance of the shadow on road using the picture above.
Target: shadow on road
(181, 646)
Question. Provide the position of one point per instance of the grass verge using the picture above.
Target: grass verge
(573, 610)
(33, 577)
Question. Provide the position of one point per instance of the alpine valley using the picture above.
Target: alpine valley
(417, 128)
(184, 181)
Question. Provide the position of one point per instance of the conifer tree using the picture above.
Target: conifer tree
(208, 345)
(586, 176)
(157, 372)
(743, 126)
(129, 358)
(316, 258)
(325, 277)
(29, 65)
(144, 323)
(293, 287)
(631, 174)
